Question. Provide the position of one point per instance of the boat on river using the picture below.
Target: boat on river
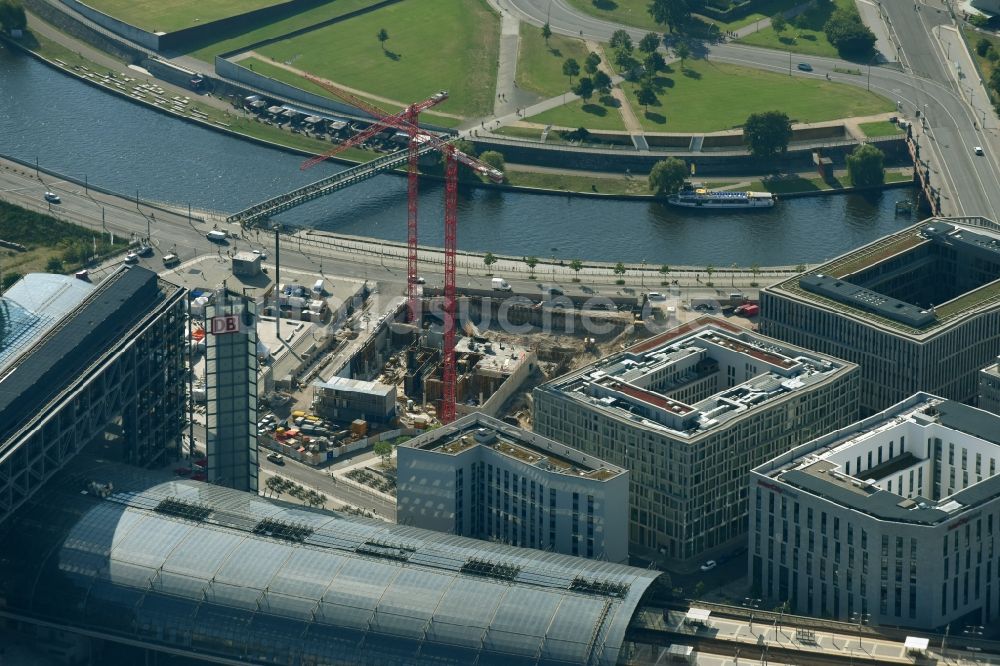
(701, 197)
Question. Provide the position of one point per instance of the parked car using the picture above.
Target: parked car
(261, 254)
(805, 67)
(52, 197)
(708, 566)
(276, 458)
(131, 258)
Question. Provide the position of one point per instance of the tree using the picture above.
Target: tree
(755, 269)
(584, 88)
(489, 260)
(667, 176)
(602, 82)
(671, 13)
(383, 37)
(709, 270)
(646, 96)
(571, 68)
(848, 34)
(576, 265)
(866, 166)
(12, 15)
(682, 51)
(779, 23)
(546, 33)
(531, 262)
(592, 62)
(649, 42)
(273, 484)
(983, 47)
(466, 147)
(55, 265)
(619, 270)
(494, 158)
(384, 451)
(664, 272)
(653, 63)
(767, 134)
(621, 40)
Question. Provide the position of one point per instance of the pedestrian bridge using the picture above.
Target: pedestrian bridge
(338, 181)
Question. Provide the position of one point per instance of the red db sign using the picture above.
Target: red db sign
(225, 324)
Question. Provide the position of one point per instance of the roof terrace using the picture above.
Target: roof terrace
(481, 430)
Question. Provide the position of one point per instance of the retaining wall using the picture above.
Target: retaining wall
(141, 37)
(105, 42)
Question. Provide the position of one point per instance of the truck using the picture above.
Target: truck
(499, 284)
(216, 236)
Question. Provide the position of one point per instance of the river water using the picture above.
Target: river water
(77, 129)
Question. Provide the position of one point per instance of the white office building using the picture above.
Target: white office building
(482, 478)
(688, 413)
(894, 519)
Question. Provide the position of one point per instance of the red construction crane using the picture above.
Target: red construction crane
(406, 121)
(409, 115)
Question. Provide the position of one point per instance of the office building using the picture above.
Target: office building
(688, 413)
(894, 519)
(231, 387)
(989, 388)
(482, 478)
(917, 310)
(211, 573)
(344, 400)
(82, 364)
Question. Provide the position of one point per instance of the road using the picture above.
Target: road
(970, 185)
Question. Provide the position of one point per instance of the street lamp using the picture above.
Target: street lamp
(861, 619)
(642, 275)
(554, 250)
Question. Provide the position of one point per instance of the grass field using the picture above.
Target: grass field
(454, 47)
(240, 38)
(170, 15)
(709, 97)
(634, 12)
(52, 245)
(539, 67)
(880, 128)
(532, 133)
(806, 38)
(273, 71)
(578, 113)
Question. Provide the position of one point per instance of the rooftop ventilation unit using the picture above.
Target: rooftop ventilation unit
(485, 435)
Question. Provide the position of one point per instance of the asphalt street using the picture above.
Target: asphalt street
(970, 183)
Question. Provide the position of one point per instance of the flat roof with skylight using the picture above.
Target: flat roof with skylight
(695, 378)
(916, 282)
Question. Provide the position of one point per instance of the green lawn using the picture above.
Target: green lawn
(539, 67)
(448, 44)
(240, 38)
(880, 128)
(806, 38)
(709, 97)
(532, 133)
(634, 12)
(170, 15)
(273, 71)
(592, 115)
(985, 64)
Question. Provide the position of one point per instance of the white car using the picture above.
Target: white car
(52, 197)
(261, 254)
(131, 258)
(419, 280)
(978, 150)
(655, 296)
(708, 566)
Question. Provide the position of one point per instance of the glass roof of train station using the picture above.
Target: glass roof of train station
(188, 565)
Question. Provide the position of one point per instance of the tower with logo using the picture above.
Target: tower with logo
(231, 383)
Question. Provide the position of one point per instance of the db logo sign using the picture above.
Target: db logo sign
(225, 324)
